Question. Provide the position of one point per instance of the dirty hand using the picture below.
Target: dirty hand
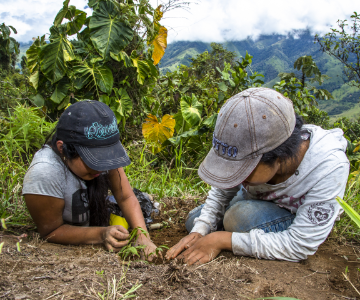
(115, 237)
(150, 246)
(185, 243)
(207, 248)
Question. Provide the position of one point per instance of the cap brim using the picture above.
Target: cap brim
(104, 158)
(225, 173)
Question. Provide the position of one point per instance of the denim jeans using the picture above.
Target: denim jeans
(244, 215)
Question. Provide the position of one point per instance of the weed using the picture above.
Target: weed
(100, 273)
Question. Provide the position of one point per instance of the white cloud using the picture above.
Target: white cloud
(221, 20)
(33, 18)
(208, 21)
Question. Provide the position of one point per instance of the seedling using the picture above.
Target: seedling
(130, 249)
(159, 249)
(100, 273)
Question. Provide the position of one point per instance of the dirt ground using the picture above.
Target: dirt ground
(48, 271)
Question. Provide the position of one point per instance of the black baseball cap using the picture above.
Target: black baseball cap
(91, 127)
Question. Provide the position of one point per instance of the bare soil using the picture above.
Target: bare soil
(48, 271)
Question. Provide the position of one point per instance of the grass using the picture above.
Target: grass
(12, 206)
(161, 181)
(346, 228)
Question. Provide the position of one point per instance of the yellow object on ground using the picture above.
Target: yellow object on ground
(116, 220)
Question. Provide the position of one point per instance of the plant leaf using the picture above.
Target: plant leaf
(122, 56)
(350, 211)
(160, 44)
(191, 110)
(77, 23)
(211, 121)
(53, 58)
(158, 132)
(32, 55)
(125, 103)
(34, 79)
(61, 90)
(105, 99)
(141, 66)
(108, 32)
(95, 77)
(38, 100)
(61, 14)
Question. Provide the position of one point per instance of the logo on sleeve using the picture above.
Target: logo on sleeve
(321, 213)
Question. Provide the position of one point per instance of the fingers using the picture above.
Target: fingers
(189, 244)
(180, 246)
(198, 260)
(115, 244)
(121, 228)
(119, 233)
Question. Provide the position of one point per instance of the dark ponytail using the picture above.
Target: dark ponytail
(97, 189)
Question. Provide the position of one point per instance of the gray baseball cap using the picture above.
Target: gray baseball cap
(249, 124)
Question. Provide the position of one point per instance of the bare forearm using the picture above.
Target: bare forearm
(75, 235)
(132, 212)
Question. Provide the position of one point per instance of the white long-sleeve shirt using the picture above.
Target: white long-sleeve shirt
(321, 177)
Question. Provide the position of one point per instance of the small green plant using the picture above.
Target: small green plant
(131, 249)
(100, 273)
(159, 250)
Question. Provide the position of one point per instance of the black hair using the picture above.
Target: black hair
(97, 188)
(287, 150)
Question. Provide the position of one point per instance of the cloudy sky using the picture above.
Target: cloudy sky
(208, 20)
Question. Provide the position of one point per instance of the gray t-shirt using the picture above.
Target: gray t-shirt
(48, 176)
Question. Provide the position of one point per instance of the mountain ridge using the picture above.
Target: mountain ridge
(273, 54)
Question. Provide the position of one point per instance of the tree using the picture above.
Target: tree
(301, 89)
(112, 59)
(9, 47)
(343, 43)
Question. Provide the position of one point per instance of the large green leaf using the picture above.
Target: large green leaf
(77, 22)
(34, 79)
(95, 77)
(61, 90)
(191, 110)
(62, 13)
(53, 58)
(32, 55)
(38, 100)
(122, 56)
(211, 121)
(108, 32)
(142, 67)
(124, 101)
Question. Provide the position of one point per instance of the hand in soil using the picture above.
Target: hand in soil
(150, 247)
(207, 248)
(185, 243)
(115, 237)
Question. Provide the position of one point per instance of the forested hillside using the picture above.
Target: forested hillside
(273, 54)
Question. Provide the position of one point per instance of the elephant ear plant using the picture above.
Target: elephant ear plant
(110, 56)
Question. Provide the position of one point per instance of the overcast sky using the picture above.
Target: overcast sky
(208, 21)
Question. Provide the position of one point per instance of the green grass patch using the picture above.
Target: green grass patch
(347, 228)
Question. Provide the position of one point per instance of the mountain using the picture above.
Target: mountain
(276, 53)
(273, 54)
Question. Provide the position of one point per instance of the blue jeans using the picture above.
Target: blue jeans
(244, 215)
